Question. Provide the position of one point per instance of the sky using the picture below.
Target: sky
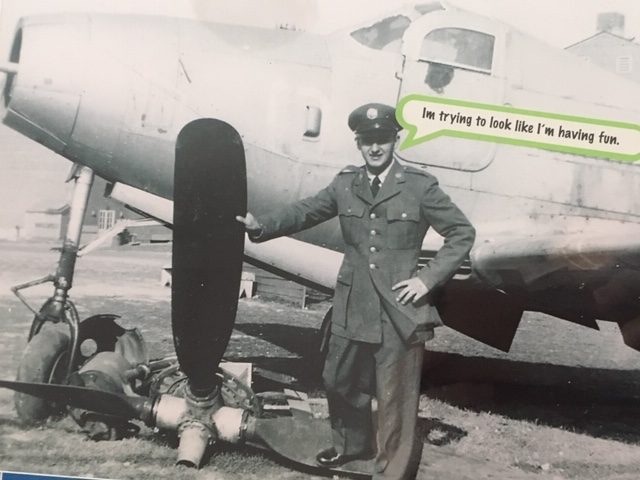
(32, 176)
(560, 22)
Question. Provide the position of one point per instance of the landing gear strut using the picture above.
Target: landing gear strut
(51, 358)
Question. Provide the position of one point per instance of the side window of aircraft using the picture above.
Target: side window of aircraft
(459, 48)
(383, 35)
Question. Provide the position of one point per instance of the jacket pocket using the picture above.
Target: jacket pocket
(345, 275)
(350, 215)
(351, 209)
(403, 213)
(341, 295)
(403, 226)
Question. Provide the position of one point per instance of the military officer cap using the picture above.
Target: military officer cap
(374, 117)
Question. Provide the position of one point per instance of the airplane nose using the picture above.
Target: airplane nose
(41, 92)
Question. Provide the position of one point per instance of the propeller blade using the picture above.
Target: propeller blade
(210, 189)
(81, 397)
(299, 439)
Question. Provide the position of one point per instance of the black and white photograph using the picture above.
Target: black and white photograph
(307, 239)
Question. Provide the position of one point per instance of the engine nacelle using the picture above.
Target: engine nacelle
(89, 90)
(43, 98)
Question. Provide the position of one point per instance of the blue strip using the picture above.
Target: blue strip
(33, 476)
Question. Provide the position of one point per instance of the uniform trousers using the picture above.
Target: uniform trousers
(356, 371)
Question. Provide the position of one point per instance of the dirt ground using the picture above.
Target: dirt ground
(563, 404)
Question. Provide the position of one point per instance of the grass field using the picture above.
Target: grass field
(561, 405)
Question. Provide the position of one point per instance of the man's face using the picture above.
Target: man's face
(377, 149)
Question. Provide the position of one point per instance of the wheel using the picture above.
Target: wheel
(43, 361)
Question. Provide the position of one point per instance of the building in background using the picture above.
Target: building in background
(49, 222)
(104, 213)
(610, 49)
(45, 223)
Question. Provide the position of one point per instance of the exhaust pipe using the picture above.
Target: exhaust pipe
(194, 438)
(200, 427)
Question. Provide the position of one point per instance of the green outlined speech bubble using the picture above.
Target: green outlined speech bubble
(426, 118)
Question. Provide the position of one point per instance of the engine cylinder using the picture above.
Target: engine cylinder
(169, 412)
(230, 424)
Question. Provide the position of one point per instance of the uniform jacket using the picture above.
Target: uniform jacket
(383, 238)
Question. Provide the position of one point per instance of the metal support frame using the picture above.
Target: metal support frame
(58, 308)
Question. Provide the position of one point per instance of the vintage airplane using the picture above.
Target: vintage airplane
(193, 122)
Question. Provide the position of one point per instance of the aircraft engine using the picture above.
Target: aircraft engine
(84, 87)
(41, 96)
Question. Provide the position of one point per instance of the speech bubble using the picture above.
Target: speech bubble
(426, 118)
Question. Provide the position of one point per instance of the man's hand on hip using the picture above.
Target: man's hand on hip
(413, 290)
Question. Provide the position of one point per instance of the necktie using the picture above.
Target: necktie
(375, 185)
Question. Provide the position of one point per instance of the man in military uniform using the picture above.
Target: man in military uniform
(381, 314)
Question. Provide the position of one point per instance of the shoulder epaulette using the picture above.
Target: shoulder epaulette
(349, 169)
(416, 171)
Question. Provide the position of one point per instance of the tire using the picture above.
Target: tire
(44, 361)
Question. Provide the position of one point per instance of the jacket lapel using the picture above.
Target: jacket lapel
(392, 184)
(361, 187)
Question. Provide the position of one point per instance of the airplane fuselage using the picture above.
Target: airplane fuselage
(113, 92)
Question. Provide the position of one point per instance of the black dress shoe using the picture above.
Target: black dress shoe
(330, 458)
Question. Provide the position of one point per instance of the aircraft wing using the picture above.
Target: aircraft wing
(581, 244)
(577, 269)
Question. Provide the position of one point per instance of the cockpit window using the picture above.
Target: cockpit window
(459, 48)
(383, 35)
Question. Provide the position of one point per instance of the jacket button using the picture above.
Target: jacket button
(373, 215)
(373, 232)
(372, 266)
(373, 250)
(348, 210)
(404, 215)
